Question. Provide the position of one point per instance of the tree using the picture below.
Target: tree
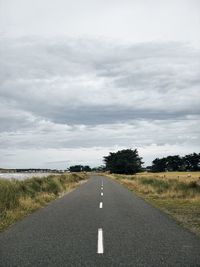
(125, 161)
(159, 165)
(189, 162)
(80, 168)
(101, 168)
(192, 162)
(86, 168)
(75, 168)
(173, 163)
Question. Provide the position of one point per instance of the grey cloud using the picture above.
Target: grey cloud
(91, 82)
(13, 119)
(135, 133)
(79, 98)
(101, 115)
(86, 94)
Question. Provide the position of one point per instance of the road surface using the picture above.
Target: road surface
(100, 223)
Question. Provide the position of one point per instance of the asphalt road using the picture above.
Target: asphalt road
(77, 230)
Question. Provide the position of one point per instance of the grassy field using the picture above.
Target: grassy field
(176, 193)
(20, 198)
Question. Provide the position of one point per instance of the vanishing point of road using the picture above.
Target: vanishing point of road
(101, 223)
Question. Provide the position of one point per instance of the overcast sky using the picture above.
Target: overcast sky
(81, 78)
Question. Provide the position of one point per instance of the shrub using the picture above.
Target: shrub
(156, 183)
(12, 190)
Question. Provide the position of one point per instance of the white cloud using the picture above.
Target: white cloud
(128, 20)
(66, 83)
(98, 76)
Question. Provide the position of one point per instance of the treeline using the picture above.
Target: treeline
(86, 168)
(125, 161)
(79, 168)
(190, 162)
(128, 161)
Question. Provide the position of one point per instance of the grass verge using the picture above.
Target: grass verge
(176, 193)
(20, 198)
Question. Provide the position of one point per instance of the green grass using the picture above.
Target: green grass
(20, 198)
(159, 185)
(177, 194)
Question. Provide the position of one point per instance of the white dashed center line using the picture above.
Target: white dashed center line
(100, 248)
(100, 241)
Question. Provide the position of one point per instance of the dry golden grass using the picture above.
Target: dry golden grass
(176, 193)
(181, 176)
(20, 198)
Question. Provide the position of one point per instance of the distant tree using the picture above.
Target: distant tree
(189, 162)
(79, 168)
(75, 168)
(148, 168)
(159, 165)
(86, 168)
(125, 161)
(101, 168)
(173, 163)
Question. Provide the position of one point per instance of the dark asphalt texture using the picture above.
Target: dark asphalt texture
(64, 233)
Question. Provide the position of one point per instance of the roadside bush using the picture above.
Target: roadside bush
(12, 190)
(189, 188)
(158, 184)
(9, 194)
(52, 186)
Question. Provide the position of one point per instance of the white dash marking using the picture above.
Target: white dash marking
(101, 205)
(101, 188)
(101, 193)
(100, 241)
